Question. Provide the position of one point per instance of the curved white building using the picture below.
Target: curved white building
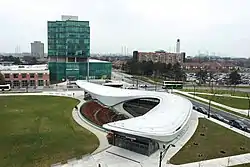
(164, 122)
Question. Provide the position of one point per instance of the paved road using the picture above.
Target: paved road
(226, 115)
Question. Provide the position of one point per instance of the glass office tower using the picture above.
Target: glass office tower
(69, 50)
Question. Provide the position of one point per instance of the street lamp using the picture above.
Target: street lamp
(194, 89)
(163, 153)
(248, 105)
(209, 106)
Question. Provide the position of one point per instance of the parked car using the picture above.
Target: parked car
(143, 86)
(219, 117)
(202, 110)
(195, 107)
(238, 124)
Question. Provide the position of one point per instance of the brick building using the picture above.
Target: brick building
(26, 75)
(209, 66)
(159, 56)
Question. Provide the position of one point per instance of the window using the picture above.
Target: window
(40, 82)
(23, 75)
(24, 83)
(16, 83)
(32, 75)
(15, 75)
(40, 75)
(8, 82)
(32, 82)
(6, 75)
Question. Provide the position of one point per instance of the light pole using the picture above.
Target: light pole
(194, 89)
(87, 69)
(209, 106)
(248, 105)
(163, 153)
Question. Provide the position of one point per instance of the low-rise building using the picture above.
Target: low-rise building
(159, 57)
(209, 66)
(26, 75)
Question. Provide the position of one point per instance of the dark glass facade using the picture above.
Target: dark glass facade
(133, 143)
(68, 38)
(68, 51)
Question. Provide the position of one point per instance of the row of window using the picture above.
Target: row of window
(68, 35)
(69, 29)
(67, 23)
(61, 36)
(27, 83)
(66, 42)
(40, 75)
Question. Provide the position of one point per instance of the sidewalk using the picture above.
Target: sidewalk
(240, 111)
(219, 162)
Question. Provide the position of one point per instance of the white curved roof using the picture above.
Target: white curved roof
(161, 122)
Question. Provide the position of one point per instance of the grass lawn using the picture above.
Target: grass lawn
(228, 101)
(210, 141)
(40, 131)
(216, 91)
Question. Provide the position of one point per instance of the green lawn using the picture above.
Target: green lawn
(210, 141)
(217, 91)
(228, 101)
(39, 131)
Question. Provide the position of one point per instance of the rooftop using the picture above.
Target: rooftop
(161, 122)
(24, 67)
(97, 61)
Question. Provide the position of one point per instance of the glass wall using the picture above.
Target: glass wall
(74, 71)
(69, 38)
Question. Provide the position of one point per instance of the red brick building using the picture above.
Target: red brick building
(26, 75)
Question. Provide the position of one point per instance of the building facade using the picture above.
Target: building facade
(68, 48)
(19, 76)
(37, 49)
(159, 57)
(212, 66)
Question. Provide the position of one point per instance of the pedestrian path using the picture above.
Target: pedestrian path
(219, 162)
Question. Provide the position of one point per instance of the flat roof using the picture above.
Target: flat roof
(24, 67)
(165, 119)
(97, 61)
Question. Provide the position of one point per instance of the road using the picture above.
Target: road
(224, 114)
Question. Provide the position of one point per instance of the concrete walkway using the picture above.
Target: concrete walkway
(101, 135)
(240, 111)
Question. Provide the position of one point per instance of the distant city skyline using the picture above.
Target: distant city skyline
(218, 27)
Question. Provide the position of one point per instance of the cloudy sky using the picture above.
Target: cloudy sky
(219, 26)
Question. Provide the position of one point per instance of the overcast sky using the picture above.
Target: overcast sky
(220, 26)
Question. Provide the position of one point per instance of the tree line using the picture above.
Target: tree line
(233, 78)
(159, 70)
(16, 60)
(175, 72)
